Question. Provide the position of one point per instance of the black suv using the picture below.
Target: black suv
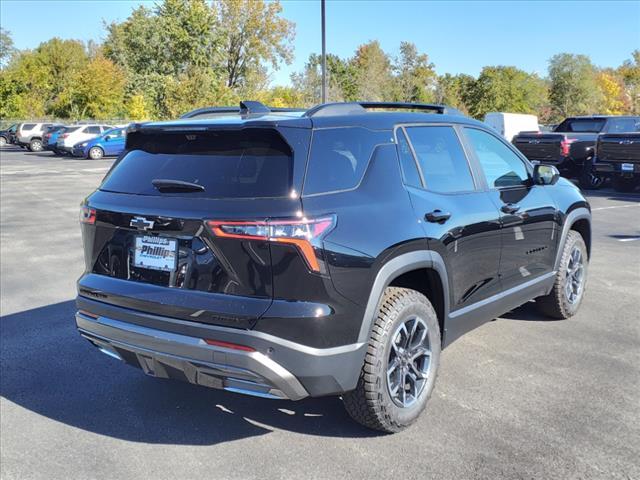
(329, 252)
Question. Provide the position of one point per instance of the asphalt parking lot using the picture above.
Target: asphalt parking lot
(520, 397)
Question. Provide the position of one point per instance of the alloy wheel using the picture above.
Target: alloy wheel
(574, 283)
(409, 362)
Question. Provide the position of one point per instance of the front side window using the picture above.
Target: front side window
(442, 160)
(339, 157)
(93, 130)
(501, 166)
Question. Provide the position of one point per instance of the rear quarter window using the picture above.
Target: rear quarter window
(339, 158)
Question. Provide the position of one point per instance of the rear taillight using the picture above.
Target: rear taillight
(565, 146)
(64, 135)
(302, 233)
(87, 215)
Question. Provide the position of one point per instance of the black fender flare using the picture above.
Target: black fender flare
(572, 217)
(392, 269)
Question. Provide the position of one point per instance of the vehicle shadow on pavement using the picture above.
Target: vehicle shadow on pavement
(528, 313)
(46, 367)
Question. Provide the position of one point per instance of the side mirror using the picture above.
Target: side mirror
(545, 174)
(107, 138)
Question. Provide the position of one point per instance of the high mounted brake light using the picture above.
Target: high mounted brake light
(302, 233)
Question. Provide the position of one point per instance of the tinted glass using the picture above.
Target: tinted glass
(407, 162)
(92, 130)
(442, 160)
(115, 132)
(70, 129)
(28, 126)
(593, 125)
(249, 163)
(622, 125)
(501, 166)
(339, 157)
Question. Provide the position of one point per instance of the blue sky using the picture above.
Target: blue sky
(458, 36)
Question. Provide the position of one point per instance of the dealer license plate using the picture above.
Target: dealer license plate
(156, 253)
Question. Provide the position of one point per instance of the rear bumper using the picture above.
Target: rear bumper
(170, 348)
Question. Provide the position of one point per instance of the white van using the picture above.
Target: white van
(510, 124)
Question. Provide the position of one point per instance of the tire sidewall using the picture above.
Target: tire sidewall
(573, 241)
(406, 416)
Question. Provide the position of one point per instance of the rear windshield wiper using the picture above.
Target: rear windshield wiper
(169, 186)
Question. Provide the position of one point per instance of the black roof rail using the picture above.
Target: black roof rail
(247, 107)
(346, 108)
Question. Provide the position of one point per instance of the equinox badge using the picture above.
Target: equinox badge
(141, 223)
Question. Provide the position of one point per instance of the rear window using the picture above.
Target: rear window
(339, 158)
(623, 125)
(586, 125)
(247, 163)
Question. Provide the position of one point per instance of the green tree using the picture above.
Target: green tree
(573, 85)
(455, 91)
(6, 46)
(98, 90)
(136, 108)
(373, 72)
(415, 77)
(341, 78)
(252, 34)
(629, 71)
(506, 89)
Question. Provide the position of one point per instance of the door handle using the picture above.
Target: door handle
(510, 208)
(437, 216)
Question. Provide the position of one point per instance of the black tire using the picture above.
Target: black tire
(371, 403)
(557, 303)
(35, 145)
(624, 185)
(589, 179)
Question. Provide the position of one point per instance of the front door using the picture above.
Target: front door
(528, 213)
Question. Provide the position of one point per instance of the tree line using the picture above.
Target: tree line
(183, 54)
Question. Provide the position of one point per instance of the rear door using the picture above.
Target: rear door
(528, 212)
(166, 237)
(460, 221)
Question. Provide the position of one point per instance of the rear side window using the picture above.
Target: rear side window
(70, 129)
(501, 166)
(339, 158)
(92, 130)
(407, 162)
(248, 163)
(28, 126)
(442, 160)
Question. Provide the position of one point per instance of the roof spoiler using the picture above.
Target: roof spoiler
(350, 108)
(246, 107)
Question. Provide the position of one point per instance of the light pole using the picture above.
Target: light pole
(324, 55)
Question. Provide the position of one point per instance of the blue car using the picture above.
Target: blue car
(109, 144)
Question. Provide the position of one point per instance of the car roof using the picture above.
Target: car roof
(371, 119)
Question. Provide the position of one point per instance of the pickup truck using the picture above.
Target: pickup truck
(571, 146)
(618, 157)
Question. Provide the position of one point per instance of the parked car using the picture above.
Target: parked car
(510, 124)
(110, 144)
(29, 135)
(571, 146)
(7, 136)
(618, 157)
(330, 253)
(50, 136)
(77, 134)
